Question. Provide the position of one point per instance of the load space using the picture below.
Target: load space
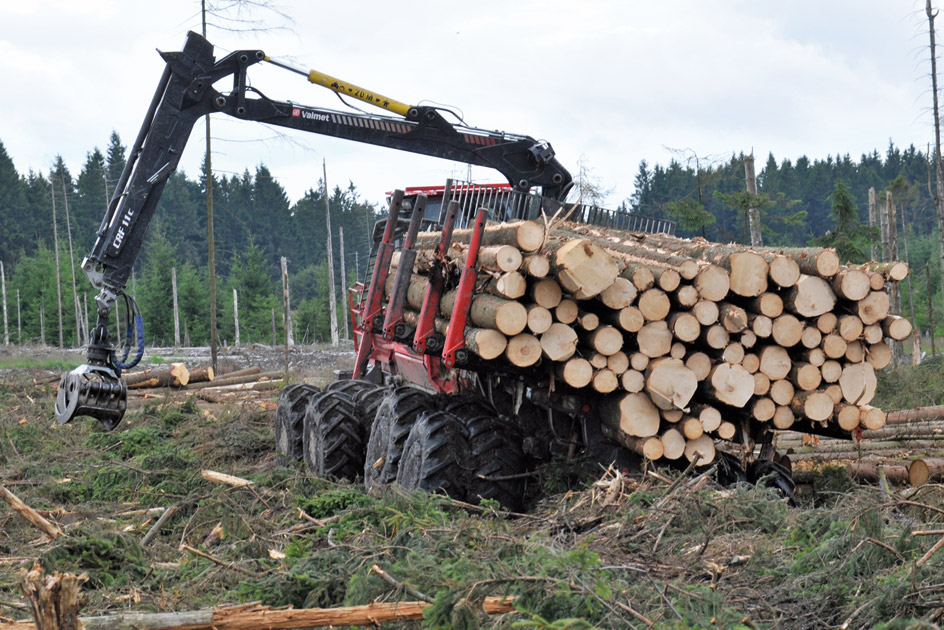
(624, 342)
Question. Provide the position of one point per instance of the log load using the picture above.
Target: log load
(676, 343)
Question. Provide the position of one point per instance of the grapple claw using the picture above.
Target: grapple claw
(91, 390)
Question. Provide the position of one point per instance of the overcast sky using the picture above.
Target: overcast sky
(606, 81)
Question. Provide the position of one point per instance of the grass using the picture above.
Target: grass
(595, 552)
(30, 363)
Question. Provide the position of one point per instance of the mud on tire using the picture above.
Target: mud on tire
(396, 414)
(435, 457)
(333, 437)
(290, 420)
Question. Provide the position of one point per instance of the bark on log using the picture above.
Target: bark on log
(536, 265)
(485, 342)
(256, 617)
(898, 328)
(504, 258)
(649, 447)
(511, 285)
(202, 374)
(814, 405)
(30, 514)
(528, 236)
(173, 375)
(237, 380)
(490, 311)
(633, 414)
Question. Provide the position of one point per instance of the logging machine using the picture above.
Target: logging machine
(419, 408)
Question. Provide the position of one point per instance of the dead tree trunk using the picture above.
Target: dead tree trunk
(236, 315)
(75, 292)
(332, 295)
(55, 241)
(345, 314)
(873, 219)
(753, 213)
(173, 287)
(938, 166)
(3, 289)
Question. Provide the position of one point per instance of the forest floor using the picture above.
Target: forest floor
(597, 548)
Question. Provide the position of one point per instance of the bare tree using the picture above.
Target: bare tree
(55, 240)
(753, 212)
(938, 168)
(588, 188)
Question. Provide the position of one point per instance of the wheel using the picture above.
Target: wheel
(290, 420)
(496, 460)
(333, 439)
(366, 397)
(396, 413)
(435, 457)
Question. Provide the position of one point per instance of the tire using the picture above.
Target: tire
(290, 420)
(333, 439)
(396, 413)
(435, 455)
(495, 453)
(366, 397)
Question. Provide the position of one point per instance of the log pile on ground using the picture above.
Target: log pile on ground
(908, 449)
(236, 386)
(684, 341)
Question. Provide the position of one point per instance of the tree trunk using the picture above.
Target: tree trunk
(753, 213)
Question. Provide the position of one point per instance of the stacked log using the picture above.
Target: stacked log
(679, 342)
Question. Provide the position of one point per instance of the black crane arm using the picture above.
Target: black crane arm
(185, 93)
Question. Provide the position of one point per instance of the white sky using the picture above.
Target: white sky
(609, 81)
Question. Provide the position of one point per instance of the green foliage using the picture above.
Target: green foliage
(110, 559)
(690, 214)
(850, 238)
